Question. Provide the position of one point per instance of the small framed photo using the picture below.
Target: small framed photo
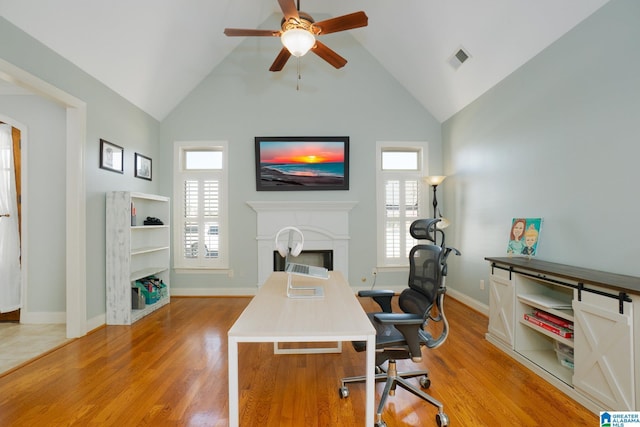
(143, 167)
(111, 156)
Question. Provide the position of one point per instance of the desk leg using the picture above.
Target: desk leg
(370, 385)
(233, 382)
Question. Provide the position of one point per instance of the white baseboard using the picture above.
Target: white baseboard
(466, 300)
(96, 322)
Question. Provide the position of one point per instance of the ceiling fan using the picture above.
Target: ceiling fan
(299, 32)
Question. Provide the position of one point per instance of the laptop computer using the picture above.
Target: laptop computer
(307, 270)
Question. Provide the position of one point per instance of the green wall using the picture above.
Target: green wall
(556, 139)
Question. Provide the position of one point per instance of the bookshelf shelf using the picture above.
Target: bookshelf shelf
(540, 330)
(556, 307)
(547, 360)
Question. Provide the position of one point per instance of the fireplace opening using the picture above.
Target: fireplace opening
(318, 258)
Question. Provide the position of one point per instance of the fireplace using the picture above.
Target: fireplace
(325, 226)
(319, 258)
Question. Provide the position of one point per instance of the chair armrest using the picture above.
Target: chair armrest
(399, 318)
(382, 297)
(372, 293)
(409, 326)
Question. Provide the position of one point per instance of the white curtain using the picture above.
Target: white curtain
(9, 237)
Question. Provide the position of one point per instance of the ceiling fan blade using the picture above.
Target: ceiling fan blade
(289, 9)
(341, 23)
(281, 60)
(233, 32)
(328, 55)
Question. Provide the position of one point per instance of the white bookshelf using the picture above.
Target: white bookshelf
(135, 251)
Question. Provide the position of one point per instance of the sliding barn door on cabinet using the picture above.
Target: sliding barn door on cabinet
(501, 306)
(604, 351)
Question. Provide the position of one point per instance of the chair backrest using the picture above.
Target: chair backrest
(425, 268)
(427, 271)
(425, 279)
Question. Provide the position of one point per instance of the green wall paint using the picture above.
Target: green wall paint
(556, 139)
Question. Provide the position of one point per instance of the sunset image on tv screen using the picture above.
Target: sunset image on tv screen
(301, 163)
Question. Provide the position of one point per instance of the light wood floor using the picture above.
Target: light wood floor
(170, 369)
(20, 343)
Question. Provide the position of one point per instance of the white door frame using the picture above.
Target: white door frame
(76, 123)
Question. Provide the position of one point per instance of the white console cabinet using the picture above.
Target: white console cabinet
(603, 373)
(135, 251)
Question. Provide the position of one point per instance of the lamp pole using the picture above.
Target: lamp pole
(435, 202)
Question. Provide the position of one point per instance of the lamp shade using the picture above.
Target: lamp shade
(298, 41)
(434, 180)
(443, 223)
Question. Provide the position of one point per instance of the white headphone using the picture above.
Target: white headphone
(283, 248)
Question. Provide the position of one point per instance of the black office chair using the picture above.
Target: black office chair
(402, 335)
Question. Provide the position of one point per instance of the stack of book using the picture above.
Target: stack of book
(551, 323)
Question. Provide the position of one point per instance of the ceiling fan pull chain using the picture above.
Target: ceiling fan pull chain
(299, 76)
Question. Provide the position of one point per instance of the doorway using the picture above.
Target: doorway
(22, 341)
(75, 194)
(14, 154)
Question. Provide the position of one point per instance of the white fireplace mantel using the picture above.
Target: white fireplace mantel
(265, 206)
(325, 225)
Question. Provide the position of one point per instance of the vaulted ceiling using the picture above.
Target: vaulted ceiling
(154, 52)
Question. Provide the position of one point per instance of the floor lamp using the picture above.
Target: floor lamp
(434, 181)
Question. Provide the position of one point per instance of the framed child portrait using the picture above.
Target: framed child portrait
(524, 236)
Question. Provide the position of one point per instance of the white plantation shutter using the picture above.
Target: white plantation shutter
(401, 209)
(201, 179)
(399, 195)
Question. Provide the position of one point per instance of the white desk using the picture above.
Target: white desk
(272, 317)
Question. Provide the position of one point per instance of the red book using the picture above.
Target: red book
(553, 319)
(545, 324)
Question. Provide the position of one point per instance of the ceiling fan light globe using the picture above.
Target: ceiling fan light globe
(298, 41)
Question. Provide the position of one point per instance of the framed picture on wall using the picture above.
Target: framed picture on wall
(111, 156)
(143, 167)
(302, 163)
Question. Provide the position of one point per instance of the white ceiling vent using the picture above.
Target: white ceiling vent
(459, 57)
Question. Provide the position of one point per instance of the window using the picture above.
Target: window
(200, 205)
(400, 200)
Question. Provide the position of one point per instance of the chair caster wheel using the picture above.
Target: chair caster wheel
(425, 382)
(442, 419)
(381, 424)
(344, 392)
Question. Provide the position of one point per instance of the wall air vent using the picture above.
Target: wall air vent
(458, 58)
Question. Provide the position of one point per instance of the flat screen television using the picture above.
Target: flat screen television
(287, 163)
